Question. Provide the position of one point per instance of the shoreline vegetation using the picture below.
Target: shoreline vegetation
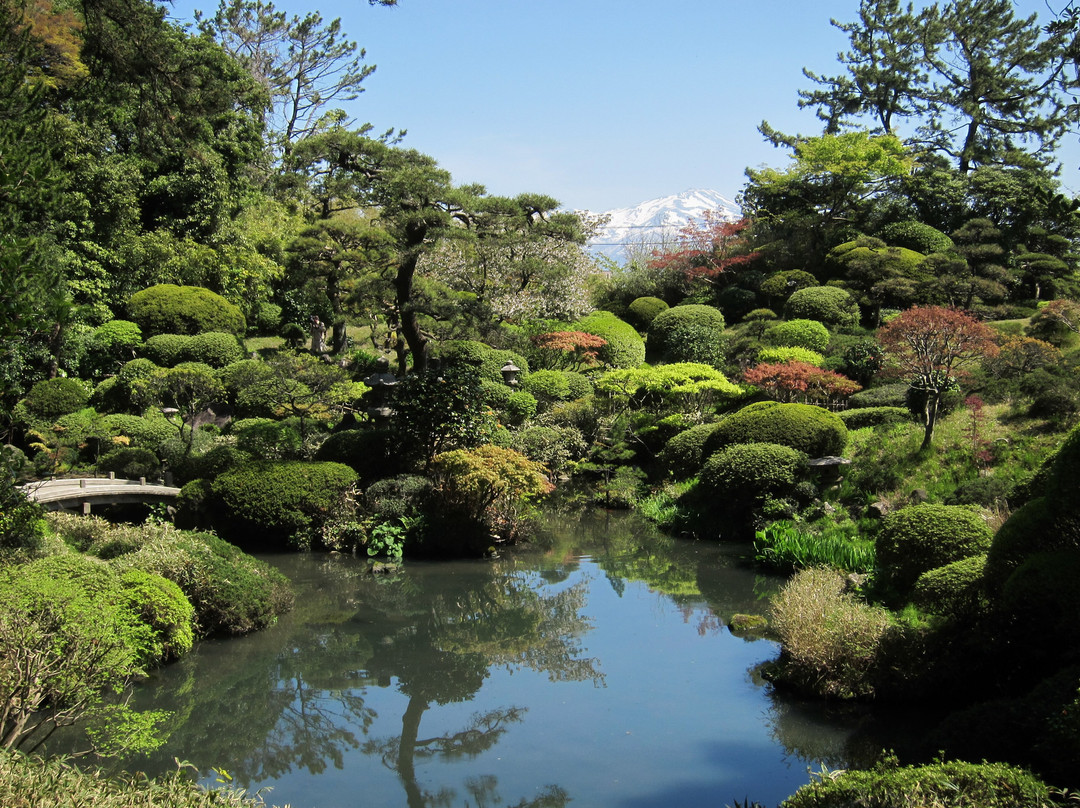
(332, 345)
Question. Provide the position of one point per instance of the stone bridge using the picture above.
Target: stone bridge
(80, 493)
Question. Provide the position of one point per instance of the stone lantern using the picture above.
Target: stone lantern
(510, 373)
(382, 383)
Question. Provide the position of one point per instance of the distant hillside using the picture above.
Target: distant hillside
(649, 224)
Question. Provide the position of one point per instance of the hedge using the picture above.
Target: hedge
(874, 416)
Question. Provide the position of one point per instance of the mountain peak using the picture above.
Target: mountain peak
(652, 223)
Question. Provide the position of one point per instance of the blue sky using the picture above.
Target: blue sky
(599, 103)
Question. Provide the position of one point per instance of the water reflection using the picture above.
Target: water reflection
(596, 668)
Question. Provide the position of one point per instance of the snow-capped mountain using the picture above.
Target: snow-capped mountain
(649, 224)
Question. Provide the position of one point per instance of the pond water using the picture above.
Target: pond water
(595, 668)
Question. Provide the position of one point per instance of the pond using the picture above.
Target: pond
(595, 668)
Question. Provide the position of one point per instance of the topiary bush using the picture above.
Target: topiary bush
(283, 503)
(784, 354)
(368, 452)
(923, 537)
(874, 416)
(827, 304)
(625, 348)
(752, 472)
(684, 454)
(488, 361)
(952, 784)
(913, 235)
(167, 350)
(643, 310)
(955, 589)
(520, 407)
(809, 429)
(161, 605)
(809, 334)
(688, 333)
(131, 462)
(214, 348)
(170, 309)
(111, 344)
(148, 433)
(51, 398)
(888, 395)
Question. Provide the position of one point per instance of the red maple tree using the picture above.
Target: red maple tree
(801, 382)
(708, 248)
(567, 350)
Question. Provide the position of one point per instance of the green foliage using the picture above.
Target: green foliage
(232, 592)
(21, 525)
(551, 446)
(487, 361)
(889, 395)
(684, 454)
(167, 350)
(921, 538)
(827, 304)
(170, 309)
(953, 784)
(804, 427)
(111, 344)
(804, 333)
(914, 235)
(162, 606)
(548, 386)
(643, 310)
(787, 353)
(369, 452)
(521, 406)
(131, 462)
(214, 348)
(148, 433)
(284, 502)
(874, 416)
(783, 545)
(688, 333)
(831, 641)
(781, 285)
(268, 439)
(689, 387)
(957, 588)
(51, 398)
(625, 348)
(747, 474)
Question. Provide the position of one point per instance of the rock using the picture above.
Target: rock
(747, 624)
(878, 510)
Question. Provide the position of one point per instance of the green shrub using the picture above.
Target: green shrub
(782, 545)
(495, 394)
(548, 385)
(131, 462)
(404, 496)
(521, 406)
(889, 395)
(266, 317)
(643, 310)
(760, 316)
(804, 333)
(214, 348)
(232, 592)
(1043, 599)
(784, 354)
(22, 528)
(809, 429)
(688, 333)
(985, 491)
(283, 502)
(954, 589)
(625, 348)
(553, 446)
(148, 433)
(111, 344)
(782, 285)
(831, 641)
(268, 439)
(167, 350)
(826, 304)
(488, 361)
(953, 784)
(162, 606)
(921, 538)
(120, 393)
(684, 453)
(922, 238)
(874, 416)
(51, 398)
(170, 309)
(368, 452)
(748, 473)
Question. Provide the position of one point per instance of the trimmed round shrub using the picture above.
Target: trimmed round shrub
(688, 333)
(170, 309)
(921, 238)
(521, 406)
(874, 416)
(684, 454)
(786, 353)
(113, 343)
(782, 285)
(266, 317)
(167, 350)
(809, 334)
(282, 503)
(368, 452)
(267, 439)
(554, 446)
(625, 348)
(51, 398)
(750, 472)
(826, 304)
(131, 462)
(889, 395)
(232, 592)
(488, 361)
(760, 316)
(809, 429)
(643, 310)
(161, 605)
(495, 395)
(952, 784)
(954, 589)
(548, 385)
(214, 348)
(119, 393)
(148, 433)
(1043, 599)
(921, 538)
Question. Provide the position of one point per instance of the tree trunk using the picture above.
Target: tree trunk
(932, 399)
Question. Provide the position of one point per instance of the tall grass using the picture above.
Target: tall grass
(782, 545)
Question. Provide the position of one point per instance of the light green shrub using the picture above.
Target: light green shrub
(643, 310)
(688, 333)
(170, 309)
(214, 348)
(149, 433)
(488, 361)
(874, 416)
(914, 235)
(799, 333)
(804, 427)
(748, 473)
(625, 348)
(684, 454)
(826, 304)
(521, 406)
(889, 395)
(784, 354)
(954, 589)
(167, 350)
(921, 538)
